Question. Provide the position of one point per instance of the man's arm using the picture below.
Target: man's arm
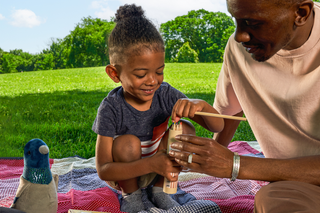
(230, 126)
(214, 159)
(304, 169)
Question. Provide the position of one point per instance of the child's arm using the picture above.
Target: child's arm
(187, 107)
(115, 171)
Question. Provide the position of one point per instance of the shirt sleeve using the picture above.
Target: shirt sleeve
(105, 121)
(226, 101)
(174, 95)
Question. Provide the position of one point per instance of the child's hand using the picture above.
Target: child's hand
(164, 165)
(186, 108)
(176, 119)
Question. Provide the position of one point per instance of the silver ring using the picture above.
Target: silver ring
(190, 158)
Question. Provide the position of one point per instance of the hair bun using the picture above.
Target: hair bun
(128, 11)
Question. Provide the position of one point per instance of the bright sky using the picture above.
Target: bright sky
(30, 24)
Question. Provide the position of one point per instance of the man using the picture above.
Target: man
(271, 73)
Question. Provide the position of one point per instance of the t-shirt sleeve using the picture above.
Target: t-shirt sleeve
(226, 101)
(105, 121)
(174, 95)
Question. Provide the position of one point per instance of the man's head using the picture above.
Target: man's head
(266, 26)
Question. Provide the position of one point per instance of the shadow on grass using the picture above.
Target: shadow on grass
(64, 120)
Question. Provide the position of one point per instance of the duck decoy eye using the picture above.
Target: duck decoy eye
(29, 153)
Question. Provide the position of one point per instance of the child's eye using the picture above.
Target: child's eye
(140, 76)
(159, 73)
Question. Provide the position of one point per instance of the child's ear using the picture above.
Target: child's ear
(112, 73)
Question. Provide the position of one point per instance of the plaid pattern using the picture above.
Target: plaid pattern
(199, 206)
(81, 188)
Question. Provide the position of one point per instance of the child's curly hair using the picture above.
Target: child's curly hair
(133, 34)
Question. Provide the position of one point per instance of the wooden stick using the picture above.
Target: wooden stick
(221, 116)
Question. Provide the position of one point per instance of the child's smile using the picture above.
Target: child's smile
(149, 91)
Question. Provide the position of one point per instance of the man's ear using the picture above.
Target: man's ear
(303, 12)
(112, 73)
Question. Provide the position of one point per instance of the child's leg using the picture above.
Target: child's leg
(127, 148)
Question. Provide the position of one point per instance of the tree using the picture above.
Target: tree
(186, 54)
(26, 61)
(206, 32)
(59, 51)
(1, 53)
(85, 46)
(44, 62)
(10, 62)
(17, 61)
(87, 43)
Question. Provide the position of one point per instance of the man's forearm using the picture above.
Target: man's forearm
(230, 126)
(303, 169)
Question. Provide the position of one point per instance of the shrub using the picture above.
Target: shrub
(186, 54)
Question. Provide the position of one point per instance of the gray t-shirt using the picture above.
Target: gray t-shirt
(116, 117)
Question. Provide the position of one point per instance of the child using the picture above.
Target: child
(132, 120)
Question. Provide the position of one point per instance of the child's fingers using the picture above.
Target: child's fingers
(176, 119)
(175, 110)
(186, 109)
(178, 109)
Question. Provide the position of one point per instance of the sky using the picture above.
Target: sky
(31, 24)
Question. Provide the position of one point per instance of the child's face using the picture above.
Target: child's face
(140, 77)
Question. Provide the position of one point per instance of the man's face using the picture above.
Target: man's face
(262, 27)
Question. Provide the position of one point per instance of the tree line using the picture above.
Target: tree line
(85, 46)
(199, 36)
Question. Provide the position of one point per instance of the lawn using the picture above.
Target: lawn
(59, 106)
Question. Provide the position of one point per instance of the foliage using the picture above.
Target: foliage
(87, 43)
(59, 51)
(85, 46)
(59, 106)
(44, 62)
(186, 54)
(1, 53)
(19, 61)
(9, 63)
(206, 32)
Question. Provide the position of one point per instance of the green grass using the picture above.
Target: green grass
(59, 106)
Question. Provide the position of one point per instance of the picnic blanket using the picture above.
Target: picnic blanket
(80, 187)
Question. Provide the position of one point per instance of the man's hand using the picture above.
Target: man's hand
(209, 156)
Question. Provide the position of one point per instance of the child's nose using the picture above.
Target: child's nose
(151, 79)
